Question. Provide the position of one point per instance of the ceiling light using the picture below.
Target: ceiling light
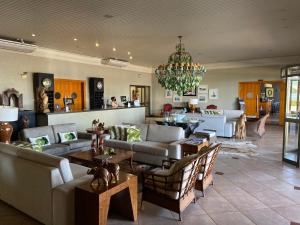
(114, 49)
(130, 57)
(180, 74)
(33, 35)
(97, 44)
(128, 53)
(75, 39)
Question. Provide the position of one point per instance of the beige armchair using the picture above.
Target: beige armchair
(173, 188)
(205, 177)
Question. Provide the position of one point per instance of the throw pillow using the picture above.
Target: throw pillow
(133, 135)
(111, 133)
(67, 136)
(26, 145)
(40, 141)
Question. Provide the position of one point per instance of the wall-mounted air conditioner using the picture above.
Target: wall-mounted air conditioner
(115, 62)
(18, 46)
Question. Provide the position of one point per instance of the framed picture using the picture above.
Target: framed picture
(202, 98)
(213, 94)
(177, 98)
(269, 92)
(168, 94)
(191, 92)
(203, 89)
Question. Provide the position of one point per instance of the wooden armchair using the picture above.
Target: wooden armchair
(205, 177)
(173, 188)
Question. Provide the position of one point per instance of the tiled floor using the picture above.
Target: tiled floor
(256, 190)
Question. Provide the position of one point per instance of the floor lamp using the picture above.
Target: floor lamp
(7, 114)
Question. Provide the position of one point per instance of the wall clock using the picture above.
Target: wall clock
(46, 82)
(99, 85)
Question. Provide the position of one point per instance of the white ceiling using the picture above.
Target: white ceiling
(214, 30)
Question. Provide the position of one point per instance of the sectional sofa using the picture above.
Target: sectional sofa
(40, 185)
(56, 147)
(221, 121)
(158, 143)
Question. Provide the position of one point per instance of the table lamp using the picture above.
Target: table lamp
(193, 102)
(7, 114)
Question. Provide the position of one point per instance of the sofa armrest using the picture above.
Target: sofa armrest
(63, 198)
(84, 135)
(174, 149)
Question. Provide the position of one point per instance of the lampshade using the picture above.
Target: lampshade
(193, 101)
(267, 85)
(8, 114)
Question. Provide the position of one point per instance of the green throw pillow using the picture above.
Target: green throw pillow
(40, 141)
(133, 135)
(26, 145)
(67, 136)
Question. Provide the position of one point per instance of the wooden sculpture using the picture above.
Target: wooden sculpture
(95, 124)
(113, 169)
(100, 174)
(43, 101)
(25, 122)
(240, 127)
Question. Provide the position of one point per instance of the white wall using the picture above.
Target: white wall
(225, 80)
(116, 81)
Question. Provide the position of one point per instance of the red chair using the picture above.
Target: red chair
(211, 107)
(167, 107)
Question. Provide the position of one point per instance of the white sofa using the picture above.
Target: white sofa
(158, 143)
(40, 185)
(223, 122)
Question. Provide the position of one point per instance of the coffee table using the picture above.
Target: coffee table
(87, 158)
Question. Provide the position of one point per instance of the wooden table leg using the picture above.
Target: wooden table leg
(134, 198)
(131, 162)
(103, 208)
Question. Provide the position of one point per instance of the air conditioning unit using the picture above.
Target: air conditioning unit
(18, 46)
(115, 62)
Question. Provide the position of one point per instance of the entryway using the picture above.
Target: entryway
(141, 93)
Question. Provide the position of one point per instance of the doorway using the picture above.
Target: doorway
(141, 93)
(262, 97)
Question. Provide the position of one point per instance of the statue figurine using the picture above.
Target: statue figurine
(113, 169)
(101, 126)
(25, 122)
(100, 173)
(43, 101)
(95, 124)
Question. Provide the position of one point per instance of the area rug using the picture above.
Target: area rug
(238, 147)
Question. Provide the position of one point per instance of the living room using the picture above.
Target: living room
(109, 116)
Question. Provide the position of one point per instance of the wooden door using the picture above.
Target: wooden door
(282, 102)
(250, 92)
(75, 89)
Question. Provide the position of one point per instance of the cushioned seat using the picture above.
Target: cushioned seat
(151, 147)
(80, 143)
(56, 149)
(113, 143)
(78, 170)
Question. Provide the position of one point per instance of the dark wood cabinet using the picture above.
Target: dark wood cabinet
(45, 80)
(96, 90)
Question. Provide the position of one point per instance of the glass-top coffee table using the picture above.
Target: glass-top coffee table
(93, 158)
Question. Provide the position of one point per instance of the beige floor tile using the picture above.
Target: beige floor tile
(273, 199)
(266, 217)
(230, 218)
(291, 213)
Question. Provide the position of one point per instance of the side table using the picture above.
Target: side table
(93, 203)
(188, 149)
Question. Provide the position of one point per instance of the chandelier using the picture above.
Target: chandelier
(180, 74)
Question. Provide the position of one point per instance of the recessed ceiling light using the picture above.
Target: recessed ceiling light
(75, 39)
(128, 53)
(33, 35)
(114, 49)
(97, 44)
(130, 57)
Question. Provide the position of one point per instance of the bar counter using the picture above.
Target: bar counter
(83, 119)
